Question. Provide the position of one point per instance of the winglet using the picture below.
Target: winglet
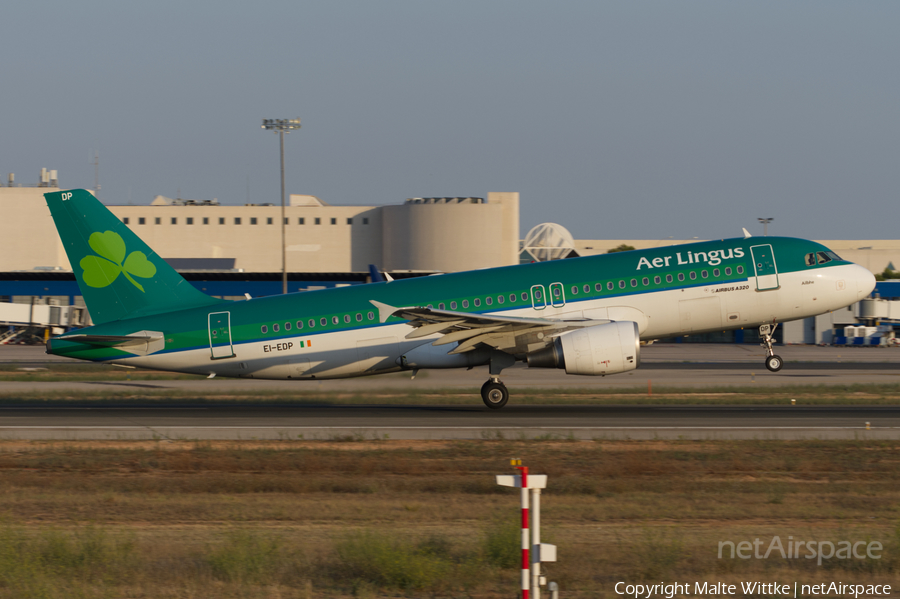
(384, 311)
(746, 233)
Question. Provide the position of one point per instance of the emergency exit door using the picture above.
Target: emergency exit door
(220, 335)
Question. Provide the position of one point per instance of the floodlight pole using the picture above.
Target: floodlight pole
(282, 126)
(765, 223)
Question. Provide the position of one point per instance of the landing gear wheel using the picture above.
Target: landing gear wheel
(767, 334)
(494, 394)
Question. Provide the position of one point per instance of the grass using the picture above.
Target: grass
(418, 518)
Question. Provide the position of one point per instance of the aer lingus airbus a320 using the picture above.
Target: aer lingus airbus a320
(586, 315)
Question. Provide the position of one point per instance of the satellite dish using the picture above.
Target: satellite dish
(548, 241)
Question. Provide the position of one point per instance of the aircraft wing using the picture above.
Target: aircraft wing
(512, 334)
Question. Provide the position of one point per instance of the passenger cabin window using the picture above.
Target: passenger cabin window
(657, 280)
(587, 288)
(299, 324)
(477, 302)
(453, 305)
(312, 323)
(574, 291)
(489, 300)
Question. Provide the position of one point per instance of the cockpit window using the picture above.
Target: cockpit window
(833, 256)
(823, 257)
(811, 259)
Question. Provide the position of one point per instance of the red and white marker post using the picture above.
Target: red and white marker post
(533, 551)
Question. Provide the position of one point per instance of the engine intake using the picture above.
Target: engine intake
(603, 349)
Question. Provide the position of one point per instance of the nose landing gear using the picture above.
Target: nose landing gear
(766, 332)
(494, 393)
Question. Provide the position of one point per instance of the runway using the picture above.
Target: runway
(669, 365)
(324, 422)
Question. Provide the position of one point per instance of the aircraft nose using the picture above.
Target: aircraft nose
(865, 282)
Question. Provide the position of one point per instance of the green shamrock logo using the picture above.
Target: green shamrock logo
(101, 272)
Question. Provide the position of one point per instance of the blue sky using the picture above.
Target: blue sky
(625, 119)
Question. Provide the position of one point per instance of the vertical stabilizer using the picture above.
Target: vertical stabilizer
(118, 274)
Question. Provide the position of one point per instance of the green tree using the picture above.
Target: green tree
(622, 248)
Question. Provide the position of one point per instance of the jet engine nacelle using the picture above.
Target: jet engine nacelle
(598, 350)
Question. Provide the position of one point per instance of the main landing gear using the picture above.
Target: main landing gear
(766, 332)
(494, 393)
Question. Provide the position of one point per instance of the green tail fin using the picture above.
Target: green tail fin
(119, 276)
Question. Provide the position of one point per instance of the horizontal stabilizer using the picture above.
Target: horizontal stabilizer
(108, 340)
(140, 343)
